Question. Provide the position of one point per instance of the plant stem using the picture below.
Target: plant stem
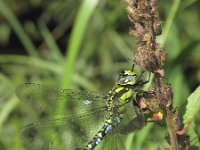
(171, 129)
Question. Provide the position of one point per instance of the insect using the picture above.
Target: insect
(87, 117)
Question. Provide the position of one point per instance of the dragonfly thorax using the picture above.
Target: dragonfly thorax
(123, 90)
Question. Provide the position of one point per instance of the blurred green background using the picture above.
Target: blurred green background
(83, 44)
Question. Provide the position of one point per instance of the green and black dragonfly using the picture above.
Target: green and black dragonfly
(87, 117)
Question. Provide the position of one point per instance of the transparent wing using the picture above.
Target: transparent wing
(113, 143)
(84, 116)
(47, 99)
(133, 120)
(63, 133)
(66, 131)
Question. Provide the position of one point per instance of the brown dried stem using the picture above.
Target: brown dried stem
(149, 56)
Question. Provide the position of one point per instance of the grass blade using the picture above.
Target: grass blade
(76, 38)
(18, 29)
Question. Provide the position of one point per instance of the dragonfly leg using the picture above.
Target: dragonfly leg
(140, 81)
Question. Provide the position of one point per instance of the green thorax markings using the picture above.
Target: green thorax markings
(122, 91)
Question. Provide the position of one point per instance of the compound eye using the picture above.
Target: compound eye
(121, 80)
(118, 78)
(126, 80)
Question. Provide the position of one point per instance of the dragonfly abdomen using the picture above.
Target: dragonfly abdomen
(108, 126)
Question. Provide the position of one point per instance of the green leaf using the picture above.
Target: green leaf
(194, 139)
(193, 106)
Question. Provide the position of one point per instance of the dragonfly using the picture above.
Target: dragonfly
(86, 118)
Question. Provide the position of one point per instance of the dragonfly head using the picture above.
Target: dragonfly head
(127, 77)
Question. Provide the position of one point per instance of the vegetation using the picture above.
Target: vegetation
(83, 44)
